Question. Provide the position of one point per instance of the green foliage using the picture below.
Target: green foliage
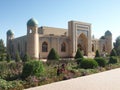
(10, 71)
(2, 47)
(101, 61)
(2, 57)
(33, 68)
(78, 54)
(10, 85)
(117, 46)
(26, 58)
(53, 55)
(97, 54)
(8, 58)
(88, 63)
(78, 60)
(17, 59)
(113, 60)
(113, 53)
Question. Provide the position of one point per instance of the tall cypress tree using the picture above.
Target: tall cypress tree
(97, 54)
(53, 55)
(78, 54)
(113, 53)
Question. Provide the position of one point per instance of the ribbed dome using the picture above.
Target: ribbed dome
(32, 22)
(107, 33)
(118, 38)
(9, 32)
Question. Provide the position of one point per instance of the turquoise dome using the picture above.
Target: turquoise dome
(9, 32)
(108, 33)
(32, 22)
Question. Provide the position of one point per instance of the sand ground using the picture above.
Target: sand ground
(108, 80)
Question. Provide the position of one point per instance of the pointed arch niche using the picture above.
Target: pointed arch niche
(83, 43)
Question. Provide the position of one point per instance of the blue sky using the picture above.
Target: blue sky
(102, 14)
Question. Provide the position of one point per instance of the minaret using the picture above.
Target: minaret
(32, 39)
(10, 36)
(108, 37)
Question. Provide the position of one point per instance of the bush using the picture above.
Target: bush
(33, 68)
(10, 85)
(78, 54)
(97, 54)
(88, 63)
(113, 60)
(17, 59)
(26, 58)
(101, 61)
(79, 60)
(113, 53)
(8, 58)
(53, 55)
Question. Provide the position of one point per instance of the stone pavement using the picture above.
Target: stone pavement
(108, 80)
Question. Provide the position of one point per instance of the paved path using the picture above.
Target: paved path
(109, 80)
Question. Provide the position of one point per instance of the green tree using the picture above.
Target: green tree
(2, 47)
(17, 59)
(53, 55)
(97, 54)
(117, 45)
(113, 53)
(78, 54)
(26, 58)
(8, 57)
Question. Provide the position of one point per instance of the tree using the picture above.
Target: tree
(2, 47)
(17, 59)
(117, 45)
(53, 55)
(78, 54)
(97, 54)
(113, 53)
(26, 58)
(8, 57)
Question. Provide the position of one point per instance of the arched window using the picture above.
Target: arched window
(92, 47)
(103, 48)
(63, 47)
(44, 47)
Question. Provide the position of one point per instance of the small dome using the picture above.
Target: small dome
(118, 38)
(102, 37)
(108, 33)
(32, 22)
(9, 32)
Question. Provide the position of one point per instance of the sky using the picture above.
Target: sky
(102, 14)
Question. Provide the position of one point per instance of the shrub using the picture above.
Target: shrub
(26, 58)
(78, 54)
(17, 59)
(53, 55)
(10, 85)
(101, 61)
(88, 63)
(8, 58)
(113, 53)
(33, 68)
(97, 54)
(113, 60)
(79, 60)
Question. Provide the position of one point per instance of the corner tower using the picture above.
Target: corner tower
(32, 38)
(108, 37)
(10, 36)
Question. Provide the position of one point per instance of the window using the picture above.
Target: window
(63, 47)
(92, 47)
(44, 47)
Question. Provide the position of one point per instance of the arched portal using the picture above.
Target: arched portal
(83, 43)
